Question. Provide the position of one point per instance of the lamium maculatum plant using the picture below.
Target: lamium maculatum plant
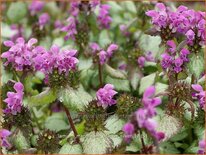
(102, 77)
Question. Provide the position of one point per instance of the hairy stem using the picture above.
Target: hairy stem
(142, 141)
(72, 124)
(100, 74)
(192, 109)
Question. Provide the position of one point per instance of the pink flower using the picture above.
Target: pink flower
(184, 55)
(36, 6)
(102, 57)
(144, 115)
(105, 96)
(128, 130)
(199, 94)
(166, 61)
(44, 19)
(172, 47)
(141, 61)
(111, 49)
(14, 100)
(178, 65)
(202, 146)
(4, 134)
(104, 20)
(95, 47)
(70, 28)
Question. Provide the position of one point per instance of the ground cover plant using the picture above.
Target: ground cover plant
(93, 77)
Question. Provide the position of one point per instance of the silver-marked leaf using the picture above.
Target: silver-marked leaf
(97, 143)
(75, 99)
(146, 82)
(169, 125)
(71, 149)
(160, 87)
(115, 73)
(119, 84)
(17, 11)
(117, 140)
(45, 97)
(20, 141)
(114, 124)
(56, 122)
(196, 65)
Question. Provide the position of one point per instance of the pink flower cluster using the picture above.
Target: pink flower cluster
(104, 20)
(105, 96)
(4, 134)
(14, 100)
(20, 53)
(142, 59)
(103, 55)
(202, 146)
(144, 116)
(173, 60)
(199, 94)
(47, 61)
(185, 21)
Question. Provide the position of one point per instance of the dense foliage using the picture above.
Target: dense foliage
(102, 77)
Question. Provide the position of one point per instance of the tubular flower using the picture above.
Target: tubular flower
(104, 19)
(4, 134)
(14, 100)
(199, 94)
(170, 59)
(105, 96)
(36, 6)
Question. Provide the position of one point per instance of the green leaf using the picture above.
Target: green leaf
(150, 43)
(135, 79)
(84, 63)
(56, 122)
(169, 125)
(114, 73)
(45, 97)
(117, 140)
(17, 11)
(97, 143)
(75, 99)
(160, 87)
(6, 76)
(146, 82)
(6, 31)
(193, 148)
(180, 136)
(119, 84)
(136, 144)
(71, 149)
(114, 124)
(130, 6)
(28, 84)
(20, 141)
(104, 38)
(169, 148)
(80, 127)
(196, 64)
